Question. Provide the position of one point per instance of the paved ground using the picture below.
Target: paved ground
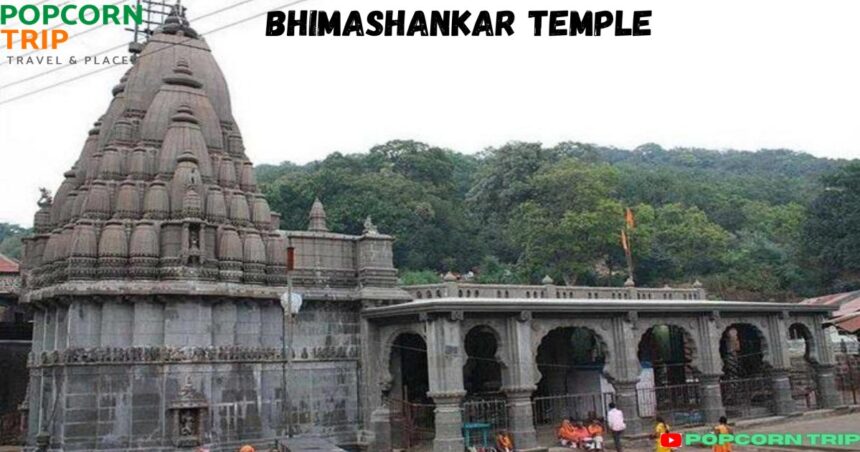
(813, 423)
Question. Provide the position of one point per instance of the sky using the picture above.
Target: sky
(713, 74)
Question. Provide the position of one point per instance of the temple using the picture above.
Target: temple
(155, 275)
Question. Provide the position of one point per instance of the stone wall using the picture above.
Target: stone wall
(124, 365)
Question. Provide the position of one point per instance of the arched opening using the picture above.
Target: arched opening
(802, 376)
(668, 350)
(742, 351)
(411, 410)
(746, 389)
(482, 373)
(571, 361)
(668, 382)
(482, 379)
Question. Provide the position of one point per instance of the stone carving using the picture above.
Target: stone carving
(112, 355)
(187, 423)
(369, 227)
(45, 199)
(188, 413)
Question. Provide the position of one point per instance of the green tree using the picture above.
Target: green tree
(830, 238)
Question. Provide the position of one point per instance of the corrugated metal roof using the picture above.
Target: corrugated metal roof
(8, 265)
(847, 317)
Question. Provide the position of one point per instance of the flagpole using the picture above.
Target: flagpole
(629, 225)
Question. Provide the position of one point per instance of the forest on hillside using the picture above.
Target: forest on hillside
(765, 225)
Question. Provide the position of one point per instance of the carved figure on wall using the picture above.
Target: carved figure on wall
(187, 423)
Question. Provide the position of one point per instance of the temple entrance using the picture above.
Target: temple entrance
(484, 403)
(570, 361)
(802, 376)
(411, 410)
(746, 388)
(668, 382)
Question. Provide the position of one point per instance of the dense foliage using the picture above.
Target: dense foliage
(772, 224)
(10, 239)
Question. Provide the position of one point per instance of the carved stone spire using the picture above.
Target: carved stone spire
(317, 217)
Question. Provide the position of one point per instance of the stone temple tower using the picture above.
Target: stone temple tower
(155, 273)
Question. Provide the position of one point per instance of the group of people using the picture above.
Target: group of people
(581, 435)
(589, 435)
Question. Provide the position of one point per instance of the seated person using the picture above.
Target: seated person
(584, 437)
(595, 431)
(504, 442)
(568, 436)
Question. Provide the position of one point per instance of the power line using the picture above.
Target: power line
(102, 52)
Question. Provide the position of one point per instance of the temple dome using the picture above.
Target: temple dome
(162, 174)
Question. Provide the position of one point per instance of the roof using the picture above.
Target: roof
(555, 305)
(8, 265)
(847, 315)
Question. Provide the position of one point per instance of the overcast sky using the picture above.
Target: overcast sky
(715, 74)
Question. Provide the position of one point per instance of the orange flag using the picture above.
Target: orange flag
(628, 216)
(624, 241)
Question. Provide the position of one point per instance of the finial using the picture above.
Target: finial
(369, 227)
(546, 280)
(317, 217)
(697, 284)
(629, 282)
(449, 277)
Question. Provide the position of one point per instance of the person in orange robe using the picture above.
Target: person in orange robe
(568, 436)
(595, 431)
(504, 442)
(723, 429)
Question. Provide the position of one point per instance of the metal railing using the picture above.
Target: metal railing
(491, 410)
(411, 423)
(550, 410)
(677, 404)
(748, 397)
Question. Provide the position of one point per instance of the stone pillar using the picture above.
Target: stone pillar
(520, 417)
(625, 369)
(825, 380)
(777, 337)
(520, 380)
(448, 417)
(445, 358)
(825, 376)
(783, 402)
(712, 397)
(626, 401)
(711, 365)
(380, 425)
